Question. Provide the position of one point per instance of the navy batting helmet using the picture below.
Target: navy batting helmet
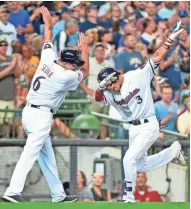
(105, 72)
(71, 56)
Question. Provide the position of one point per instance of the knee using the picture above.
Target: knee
(128, 159)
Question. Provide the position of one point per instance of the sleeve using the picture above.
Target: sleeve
(62, 40)
(120, 43)
(120, 65)
(14, 34)
(157, 112)
(150, 68)
(47, 53)
(27, 19)
(80, 75)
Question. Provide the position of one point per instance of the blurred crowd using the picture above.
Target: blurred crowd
(122, 34)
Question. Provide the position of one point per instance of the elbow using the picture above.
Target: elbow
(99, 96)
(157, 58)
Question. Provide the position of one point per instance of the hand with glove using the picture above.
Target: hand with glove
(107, 81)
(173, 36)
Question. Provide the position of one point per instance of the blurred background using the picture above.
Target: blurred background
(90, 141)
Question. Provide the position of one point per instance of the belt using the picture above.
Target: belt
(138, 122)
(39, 107)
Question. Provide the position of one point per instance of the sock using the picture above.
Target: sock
(128, 189)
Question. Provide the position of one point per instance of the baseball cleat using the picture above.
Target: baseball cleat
(180, 155)
(127, 200)
(181, 158)
(72, 198)
(13, 199)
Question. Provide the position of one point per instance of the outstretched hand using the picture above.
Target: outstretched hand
(176, 31)
(46, 15)
(83, 43)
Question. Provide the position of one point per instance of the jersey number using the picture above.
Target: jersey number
(36, 84)
(139, 99)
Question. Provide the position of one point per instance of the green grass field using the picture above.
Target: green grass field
(95, 206)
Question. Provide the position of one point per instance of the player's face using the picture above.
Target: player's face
(167, 94)
(141, 179)
(115, 87)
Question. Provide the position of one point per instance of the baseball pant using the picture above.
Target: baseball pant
(37, 125)
(141, 138)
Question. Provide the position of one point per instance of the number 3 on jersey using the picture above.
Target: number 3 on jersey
(139, 99)
(36, 84)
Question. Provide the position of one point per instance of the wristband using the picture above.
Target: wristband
(168, 43)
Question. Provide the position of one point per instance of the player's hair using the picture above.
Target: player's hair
(165, 87)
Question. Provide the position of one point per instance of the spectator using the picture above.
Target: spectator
(151, 10)
(170, 68)
(168, 11)
(104, 15)
(69, 37)
(143, 192)
(7, 82)
(129, 58)
(186, 90)
(7, 30)
(36, 42)
(60, 26)
(129, 28)
(116, 14)
(92, 39)
(166, 110)
(148, 36)
(183, 122)
(63, 128)
(140, 9)
(99, 193)
(84, 193)
(21, 20)
(30, 62)
(34, 11)
(106, 39)
(96, 63)
(91, 19)
(78, 10)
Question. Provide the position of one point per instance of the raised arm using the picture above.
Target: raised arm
(8, 69)
(163, 50)
(83, 47)
(47, 23)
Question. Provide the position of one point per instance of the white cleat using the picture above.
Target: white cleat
(181, 158)
(127, 200)
(180, 155)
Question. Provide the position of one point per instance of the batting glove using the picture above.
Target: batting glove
(103, 84)
(172, 37)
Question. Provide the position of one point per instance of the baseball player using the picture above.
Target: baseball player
(131, 95)
(51, 83)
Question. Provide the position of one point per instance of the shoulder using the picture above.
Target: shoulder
(24, 12)
(35, 58)
(92, 59)
(175, 105)
(11, 26)
(122, 53)
(158, 104)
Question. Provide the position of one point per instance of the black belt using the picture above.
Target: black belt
(138, 122)
(38, 107)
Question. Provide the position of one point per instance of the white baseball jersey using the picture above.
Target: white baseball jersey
(52, 82)
(134, 101)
